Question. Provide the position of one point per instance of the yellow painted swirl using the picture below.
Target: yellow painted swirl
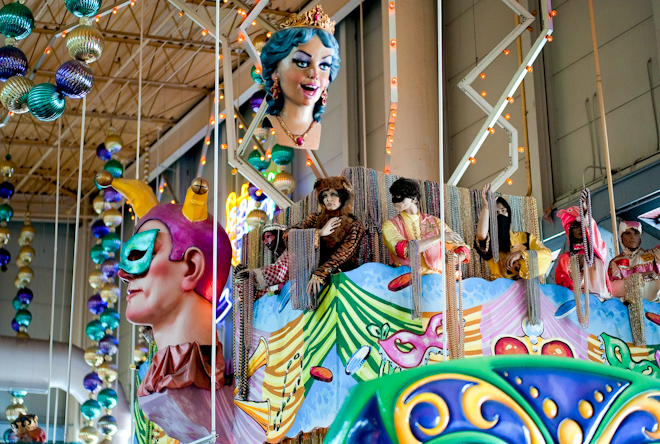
(642, 402)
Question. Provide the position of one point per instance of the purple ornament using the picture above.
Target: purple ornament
(96, 305)
(25, 295)
(256, 100)
(102, 153)
(6, 190)
(108, 345)
(92, 382)
(99, 229)
(110, 267)
(252, 191)
(5, 257)
(15, 325)
(74, 79)
(13, 62)
(111, 195)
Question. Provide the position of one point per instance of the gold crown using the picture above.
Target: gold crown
(314, 18)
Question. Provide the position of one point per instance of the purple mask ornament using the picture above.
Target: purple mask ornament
(186, 234)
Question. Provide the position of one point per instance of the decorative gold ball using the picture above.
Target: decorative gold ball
(16, 409)
(259, 42)
(18, 283)
(85, 43)
(112, 218)
(7, 168)
(256, 218)
(14, 94)
(199, 185)
(107, 372)
(284, 182)
(99, 204)
(25, 274)
(97, 279)
(27, 234)
(113, 142)
(110, 294)
(5, 235)
(26, 254)
(88, 435)
(23, 335)
(103, 178)
(93, 356)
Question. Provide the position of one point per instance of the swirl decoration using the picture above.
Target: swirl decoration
(644, 402)
(437, 413)
(102, 305)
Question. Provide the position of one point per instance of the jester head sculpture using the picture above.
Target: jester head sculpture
(168, 263)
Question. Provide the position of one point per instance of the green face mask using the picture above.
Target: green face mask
(137, 252)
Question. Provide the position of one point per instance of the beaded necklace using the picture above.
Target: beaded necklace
(585, 225)
(416, 309)
(304, 259)
(635, 299)
(583, 318)
(533, 290)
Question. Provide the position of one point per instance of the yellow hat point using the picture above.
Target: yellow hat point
(194, 207)
(140, 194)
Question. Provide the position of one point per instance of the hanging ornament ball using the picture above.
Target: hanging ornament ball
(93, 356)
(112, 218)
(113, 141)
(26, 254)
(259, 42)
(109, 345)
(17, 304)
(85, 43)
(99, 229)
(107, 425)
(25, 295)
(26, 235)
(92, 382)
(15, 409)
(25, 274)
(88, 435)
(99, 204)
(6, 190)
(16, 21)
(110, 294)
(102, 153)
(261, 134)
(110, 318)
(258, 161)
(256, 76)
(110, 267)
(256, 218)
(15, 325)
(141, 351)
(107, 398)
(83, 8)
(17, 282)
(12, 62)
(111, 242)
(74, 79)
(6, 213)
(96, 305)
(95, 330)
(98, 254)
(96, 279)
(5, 257)
(114, 167)
(103, 179)
(46, 103)
(256, 100)
(5, 235)
(14, 95)
(108, 372)
(90, 409)
(7, 167)
(9, 436)
(256, 193)
(23, 317)
(284, 182)
(111, 195)
(282, 155)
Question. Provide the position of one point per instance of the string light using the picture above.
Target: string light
(203, 161)
(387, 171)
(235, 116)
(262, 158)
(458, 274)
(132, 2)
(268, 34)
(241, 38)
(63, 34)
(130, 209)
(207, 141)
(223, 146)
(132, 217)
(97, 19)
(212, 121)
(491, 130)
(255, 147)
(388, 151)
(390, 139)
(222, 116)
(309, 162)
(240, 140)
(161, 190)
(472, 160)
(222, 97)
(48, 50)
(507, 116)
(391, 5)
(172, 202)
(482, 75)
(393, 43)
(234, 171)
(483, 93)
(257, 69)
(393, 114)
(552, 13)
(220, 58)
(521, 149)
(272, 132)
(114, 10)
(394, 80)
(254, 23)
(529, 68)
(549, 38)
(259, 192)
(391, 127)
(506, 52)
(205, 32)
(11, 113)
(510, 99)
(530, 28)
(269, 154)
(509, 181)
(240, 126)
(180, 13)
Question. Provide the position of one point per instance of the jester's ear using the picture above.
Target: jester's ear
(317, 183)
(347, 184)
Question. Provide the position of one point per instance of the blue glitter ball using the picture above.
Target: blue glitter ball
(5, 257)
(15, 325)
(92, 382)
(25, 295)
(74, 79)
(102, 153)
(109, 345)
(96, 305)
(99, 229)
(111, 195)
(110, 267)
(6, 190)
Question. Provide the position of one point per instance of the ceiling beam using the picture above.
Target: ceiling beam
(112, 116)
(167, 85)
